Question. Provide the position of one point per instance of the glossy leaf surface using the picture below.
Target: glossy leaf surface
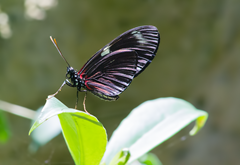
(150, 124)
(85, 136)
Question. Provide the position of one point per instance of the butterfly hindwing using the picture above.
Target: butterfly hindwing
(111, 75)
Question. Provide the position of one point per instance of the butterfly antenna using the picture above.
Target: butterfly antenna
(55, 44)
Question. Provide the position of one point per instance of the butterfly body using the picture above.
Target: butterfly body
(111, 70)
(73, 79)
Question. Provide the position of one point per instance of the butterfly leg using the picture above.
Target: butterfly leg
(84, 105)
(85, 97)
(51, 96)
(76, 101)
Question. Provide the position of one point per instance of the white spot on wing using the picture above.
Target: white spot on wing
(139, 37)
(105, 51)
(134, 32)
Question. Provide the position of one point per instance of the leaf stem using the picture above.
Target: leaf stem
(17, 110)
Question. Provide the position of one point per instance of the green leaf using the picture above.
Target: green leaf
(121, 158)
(152, 123)
(45, 132)
(85, 136)
(149, 159)
(4, 128)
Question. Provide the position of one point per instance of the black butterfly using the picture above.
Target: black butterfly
(111, 70)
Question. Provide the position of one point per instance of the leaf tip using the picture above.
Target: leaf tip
(201, 120)
(30, 131)
(34, 126)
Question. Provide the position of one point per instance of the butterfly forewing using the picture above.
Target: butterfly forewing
(143, 39)
(111, 75)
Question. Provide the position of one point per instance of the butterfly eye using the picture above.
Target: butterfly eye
(68, 76)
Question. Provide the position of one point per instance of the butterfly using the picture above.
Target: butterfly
(111, 70)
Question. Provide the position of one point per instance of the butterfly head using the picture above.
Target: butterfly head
(71, 77)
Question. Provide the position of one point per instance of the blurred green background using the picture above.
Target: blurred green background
(198, 60)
